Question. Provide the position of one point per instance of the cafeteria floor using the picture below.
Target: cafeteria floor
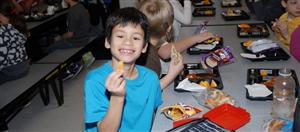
(68, 118)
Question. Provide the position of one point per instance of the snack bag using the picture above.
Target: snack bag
(218, 57)
(180, 111)
(212, 98)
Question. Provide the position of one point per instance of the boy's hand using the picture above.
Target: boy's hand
(205, 36)
(115, 83)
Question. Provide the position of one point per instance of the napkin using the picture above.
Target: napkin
(258, 90)
(190, 86)
(262, 44)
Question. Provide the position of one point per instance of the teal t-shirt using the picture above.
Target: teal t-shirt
(143, 96)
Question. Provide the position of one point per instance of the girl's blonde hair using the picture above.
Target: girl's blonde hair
(160, 16)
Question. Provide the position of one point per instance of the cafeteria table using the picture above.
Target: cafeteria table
(234, 77)
(218, 19)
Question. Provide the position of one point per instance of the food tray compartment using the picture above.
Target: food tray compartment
(228, 116)
(271, 55)
(252, 30)
(194, 50)
(204, 11)
(254, 76)
(198, 3)
(196, 74)
(241, 15)
(236, 3)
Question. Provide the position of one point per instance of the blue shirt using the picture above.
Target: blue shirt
(143, 96)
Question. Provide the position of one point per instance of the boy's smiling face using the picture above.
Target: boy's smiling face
(293, 7)
(127, 43)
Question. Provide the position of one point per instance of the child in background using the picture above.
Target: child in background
(160, 16)
(295, 44)
(13, 57)
(120, 95)
(78, 28)
(288, 22)
(182, 15)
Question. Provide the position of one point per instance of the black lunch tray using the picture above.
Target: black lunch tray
(195, 51)
(243, 16)
(254, 76)
(237, 4)
(260, 27)
(201, 73)
(200, 11)
(271, 55)
(198, 3)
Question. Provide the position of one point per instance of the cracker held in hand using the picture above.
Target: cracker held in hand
(176, 55)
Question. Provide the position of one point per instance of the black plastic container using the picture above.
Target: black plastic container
(196, 73)
(271, 55)
(243, 16)
(195, 51)
(253, 30)
(204, 11)
(254, 76)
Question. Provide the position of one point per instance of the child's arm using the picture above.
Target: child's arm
(115, 84)
(165, 51)
(176, 66)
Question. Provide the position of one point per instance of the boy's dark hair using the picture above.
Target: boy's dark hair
(8, 9)
(124, 16)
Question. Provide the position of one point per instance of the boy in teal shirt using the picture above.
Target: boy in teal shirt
(119, 95)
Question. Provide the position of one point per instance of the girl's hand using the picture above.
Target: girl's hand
(115, 83)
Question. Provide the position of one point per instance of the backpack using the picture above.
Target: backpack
(268, 10)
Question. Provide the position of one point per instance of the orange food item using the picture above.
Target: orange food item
(263, 73)
(121, 66)
(192, 76)
(247, 43)
(244, 25)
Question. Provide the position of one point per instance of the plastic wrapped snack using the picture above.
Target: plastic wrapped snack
(218, 57)
(212, 98)
(180, 111)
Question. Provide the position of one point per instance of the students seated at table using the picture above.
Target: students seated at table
(160, 16)
(78, 28)
(288, 22)
(14, 62)
(295, 44)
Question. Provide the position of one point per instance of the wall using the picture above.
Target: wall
(128, 3)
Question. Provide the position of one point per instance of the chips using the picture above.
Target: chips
(180, 111)
(175, 54)
(121, 66)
